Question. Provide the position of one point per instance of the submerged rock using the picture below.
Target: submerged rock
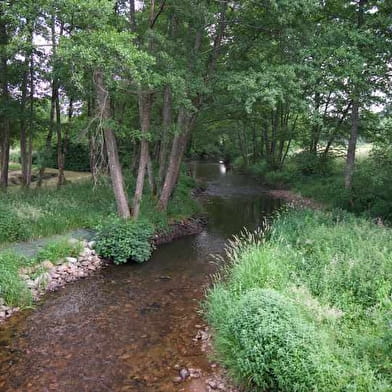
(184, 373)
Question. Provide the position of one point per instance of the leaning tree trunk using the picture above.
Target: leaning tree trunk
(176, 154)
(352, 144)
(103, 103)
(166, 122)
(145, 103)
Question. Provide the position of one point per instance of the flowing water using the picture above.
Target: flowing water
(127, 327)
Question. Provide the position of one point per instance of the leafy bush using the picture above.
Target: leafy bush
(239, 163)
(123, 240)
(77, 157)
(280, 177)
(259, 168)
(372, 184)
(12, 227)
(270, 343)
(309, 164)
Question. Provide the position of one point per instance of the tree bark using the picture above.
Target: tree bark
(145, 104)
(4, 120)
(54, 107)
(166, 123)
(23, 129)
(103, 103)
(177, 152)
(352, 144)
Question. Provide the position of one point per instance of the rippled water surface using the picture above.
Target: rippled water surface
(125, 328)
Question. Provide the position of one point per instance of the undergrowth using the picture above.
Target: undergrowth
(307, 306)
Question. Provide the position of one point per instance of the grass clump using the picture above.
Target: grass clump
(308, 307)
(57, 250)
(12, 288)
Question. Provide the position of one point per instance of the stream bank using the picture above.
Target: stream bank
(134, 327)
(49, 276)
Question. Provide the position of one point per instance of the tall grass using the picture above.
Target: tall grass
(328, 273)
(25, 215)
(43, 212)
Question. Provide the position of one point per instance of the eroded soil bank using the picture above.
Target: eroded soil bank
(134, 327)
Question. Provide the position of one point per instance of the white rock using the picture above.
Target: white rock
(71, 260)
(91, 244)
(42, 281)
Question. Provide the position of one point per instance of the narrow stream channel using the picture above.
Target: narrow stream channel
(125, 328)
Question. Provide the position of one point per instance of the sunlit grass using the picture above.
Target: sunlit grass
(334, 269)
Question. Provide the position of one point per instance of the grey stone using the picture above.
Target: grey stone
(184, 373)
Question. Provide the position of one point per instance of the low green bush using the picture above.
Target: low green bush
(12, 227)
(308, 163)
(330, 274)
(280, 177)
(77, 157)
(121, 241)
(259, 168)
(269, 342)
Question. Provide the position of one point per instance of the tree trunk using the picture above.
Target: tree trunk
(145, 104)
(23, 130)
(151, 178)
(60, 147)
(103, 103)
(5, 153)
(166, 123)
(352, 144)
(177, 152)
(53, 106)
(4, 120)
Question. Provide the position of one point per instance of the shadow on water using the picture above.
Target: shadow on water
(125, 328)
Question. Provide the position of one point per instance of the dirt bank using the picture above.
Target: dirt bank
(295, 198)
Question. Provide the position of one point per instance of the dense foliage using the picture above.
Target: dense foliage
(315, 294)
(122, 241)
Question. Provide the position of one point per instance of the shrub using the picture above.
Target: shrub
(259, 168)
(281, 177)
(239, 163)
(123, 240)
(325, 274)
(309, 163)
(269, 342)
(77, 157)
(12, 228)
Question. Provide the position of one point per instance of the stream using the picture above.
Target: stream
(129, 327)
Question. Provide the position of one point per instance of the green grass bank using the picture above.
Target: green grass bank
(307, 306)
(322, 179)
(37, 213)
